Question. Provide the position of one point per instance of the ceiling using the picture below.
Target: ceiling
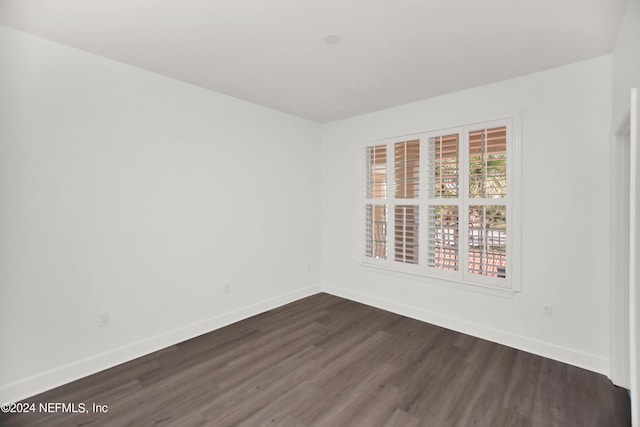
(272, 52)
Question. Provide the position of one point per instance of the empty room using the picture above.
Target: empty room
(320, 213)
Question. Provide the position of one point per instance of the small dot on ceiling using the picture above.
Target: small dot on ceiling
(332, 39)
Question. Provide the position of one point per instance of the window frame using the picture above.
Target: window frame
(460, 278)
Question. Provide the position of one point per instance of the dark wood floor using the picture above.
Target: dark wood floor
(327, 361)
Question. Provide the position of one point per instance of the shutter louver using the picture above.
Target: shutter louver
(406, 234)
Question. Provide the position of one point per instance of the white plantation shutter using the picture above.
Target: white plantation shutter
(376, 231)
(444, 202)
(488, 240)
(487, 210)
(458, 181)
(406, 173)
(406, 234)
(443, 237)
(488, 163)
(375, 207)
(377, 172)
(407, 169)
(443, 166)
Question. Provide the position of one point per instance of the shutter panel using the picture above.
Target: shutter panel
(488, 163)
(444, 190)
(407, 169)
(443, 237)
(443, 162)
(376, 231)
(376, 167)
(406, 234)
(488, 240)
(376, 214)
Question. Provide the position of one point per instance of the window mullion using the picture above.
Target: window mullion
(441, 162)
(404, 234)
(405, 168)
(463, 195)
(423, 203)
(485, 162)
(391, 203)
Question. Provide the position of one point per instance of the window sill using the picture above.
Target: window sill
(473, 287)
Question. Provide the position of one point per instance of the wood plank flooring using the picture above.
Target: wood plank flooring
(326, 361)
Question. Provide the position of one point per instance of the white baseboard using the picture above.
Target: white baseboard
(577, 358)
(81, 368)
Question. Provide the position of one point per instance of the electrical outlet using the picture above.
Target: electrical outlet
(227, 288)
(104, 319)
(547, 311)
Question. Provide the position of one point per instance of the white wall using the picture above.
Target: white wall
(626, 61)
(126, 192)
(566, 122)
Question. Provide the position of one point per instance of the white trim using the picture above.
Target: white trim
(634, 294)
(391, 203)
(452, 281)
(444, 126)
(573, 357)
(619, 256)
(81, 368)
(515, 234)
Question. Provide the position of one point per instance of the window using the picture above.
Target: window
(460, 182)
